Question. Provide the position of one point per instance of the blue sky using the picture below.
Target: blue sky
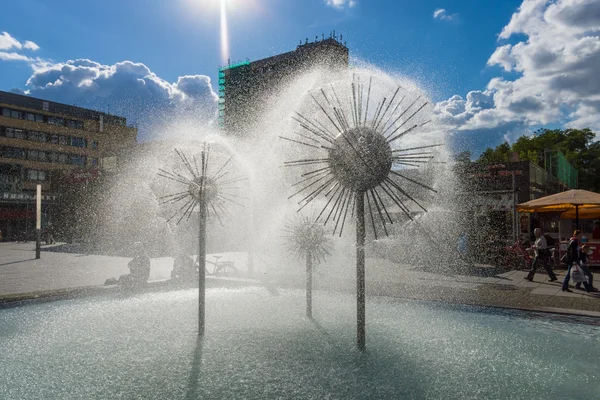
(452, 47)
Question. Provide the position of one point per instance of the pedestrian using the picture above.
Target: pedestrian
(542, 256)
(572, 257)
(596, 231)
(583, 255)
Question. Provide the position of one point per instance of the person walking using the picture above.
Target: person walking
(583, 255)
(542, 256)
(572, 257)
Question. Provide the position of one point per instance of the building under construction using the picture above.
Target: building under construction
(243, 85)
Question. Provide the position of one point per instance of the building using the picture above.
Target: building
(493, 190)
(43, 142)
(242, 85)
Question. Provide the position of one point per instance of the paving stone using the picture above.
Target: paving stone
(546, 290)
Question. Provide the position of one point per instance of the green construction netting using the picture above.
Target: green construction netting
(557, 165)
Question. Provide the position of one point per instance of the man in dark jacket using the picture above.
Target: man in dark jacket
(542, 256)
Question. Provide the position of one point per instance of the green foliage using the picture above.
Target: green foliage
(499, 154)
(577, 145)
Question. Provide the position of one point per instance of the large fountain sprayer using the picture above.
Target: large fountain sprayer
(354, 162)
(206, 190)
(308, 239)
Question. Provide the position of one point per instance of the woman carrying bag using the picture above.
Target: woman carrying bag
(583, 255)
(572, 258)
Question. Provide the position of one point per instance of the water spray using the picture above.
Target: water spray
(355, 163)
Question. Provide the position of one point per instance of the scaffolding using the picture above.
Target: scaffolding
(221, 106)
(557, 165)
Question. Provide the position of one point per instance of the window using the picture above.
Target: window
(37, 136)
(63, 140)
(36, 175)
(52, 156)
(39, 118)
(16, 114)
(78, 160)
(5, 112)
(20, 134)
(53, 139)
(94, 144)
(32, 155)
(62, 158)
(75, 124)
(13, 152)
(45, 106)
(56, 121)
(30, 116)
(42, 156)
(9, 132)
(78, 142)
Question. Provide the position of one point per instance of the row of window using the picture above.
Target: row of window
(46, 156)
(70, 123)
(47, 137)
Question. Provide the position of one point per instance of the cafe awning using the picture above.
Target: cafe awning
(563, 201)
(583, 213)
(575, 200)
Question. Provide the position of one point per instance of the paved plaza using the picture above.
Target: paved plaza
(22, 276)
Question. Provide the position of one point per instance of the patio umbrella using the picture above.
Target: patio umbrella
(574, 199)
(583, 213)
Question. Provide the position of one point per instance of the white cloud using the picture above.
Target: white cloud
(7, 42)
(28, 44)
(12, 56)
(341, 4)
(555, 54)
(129, 89)
(443, 15)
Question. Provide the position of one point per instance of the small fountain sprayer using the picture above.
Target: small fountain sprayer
(308, 239)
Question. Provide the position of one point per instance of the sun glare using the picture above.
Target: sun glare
(209, 8)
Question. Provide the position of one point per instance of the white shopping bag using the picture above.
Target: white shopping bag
(577, 274)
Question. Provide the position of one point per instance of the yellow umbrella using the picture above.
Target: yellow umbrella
(583, 213)
(574, 199)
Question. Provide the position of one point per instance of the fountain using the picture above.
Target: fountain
(359, 160)
(308, 239)
(207, 191)
(257, 342)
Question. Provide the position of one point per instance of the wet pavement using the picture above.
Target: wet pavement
(22, 274)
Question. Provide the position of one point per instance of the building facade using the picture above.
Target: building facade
(243, 85)
(493, 190)
(43, 142)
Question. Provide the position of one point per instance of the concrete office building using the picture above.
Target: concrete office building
(43, 141)
(243, 85)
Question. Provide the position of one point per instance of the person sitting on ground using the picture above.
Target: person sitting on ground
(583, 255)
(542, 255)
(139, 268)
(184, 268)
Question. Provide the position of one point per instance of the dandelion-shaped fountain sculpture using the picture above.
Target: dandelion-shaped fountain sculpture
(357, 164)
(309, 240)
(208, 192)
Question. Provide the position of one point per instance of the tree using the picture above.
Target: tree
(577, 145)
(499, 154)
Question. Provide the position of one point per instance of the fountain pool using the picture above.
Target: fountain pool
(259, 345)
